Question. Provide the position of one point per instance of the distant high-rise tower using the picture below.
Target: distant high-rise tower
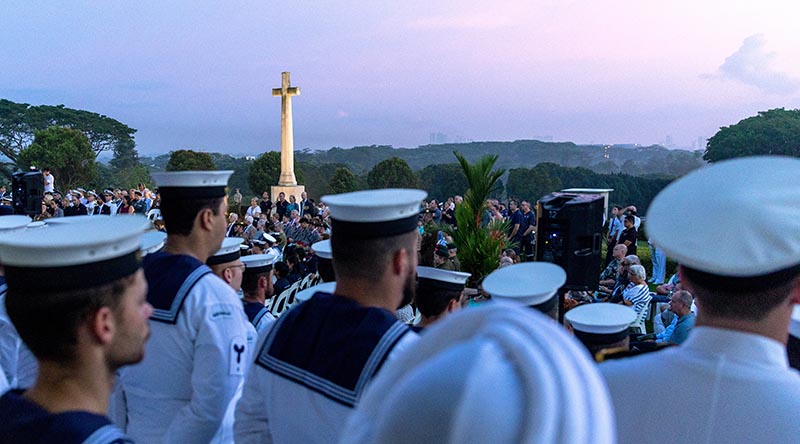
(438, 138)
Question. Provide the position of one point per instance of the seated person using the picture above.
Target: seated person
(614, 294)
(281, 274)
(637, 293)
(609, 276)
(676, 333)
(669, 286)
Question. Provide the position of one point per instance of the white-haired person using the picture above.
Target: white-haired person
(499, 374)
(637, 294)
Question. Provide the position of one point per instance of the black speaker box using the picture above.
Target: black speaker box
(569, 234)
(28, 191)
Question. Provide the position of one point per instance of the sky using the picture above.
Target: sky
(198, 74)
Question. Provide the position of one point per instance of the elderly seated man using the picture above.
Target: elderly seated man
(614, 294)
(681, 305)
(609, 276)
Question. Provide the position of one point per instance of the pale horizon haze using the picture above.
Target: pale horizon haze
(198, 75)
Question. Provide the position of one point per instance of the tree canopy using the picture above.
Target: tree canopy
(20, 121)
(66, 152)
(393, 172)
(188, 160)
(343, 181)
(776, 131)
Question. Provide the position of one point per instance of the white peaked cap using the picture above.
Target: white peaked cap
(269, 238)
(528, 283)
(601, 318)
(323, 249)
(152, 241)
(794, 324)
(259, 263)
(69, 220)
(87, 254)
(13, 223)
(325, 287)
(746, 213)
(448, 278)
(375, 205)
(192, 179)
(495, 374)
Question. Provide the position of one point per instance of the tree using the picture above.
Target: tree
(343, 181)
(393, 172)
(265, 172)
(776, 131)
(20, 121)
(67, 152)
(188, 160)
(443, 180)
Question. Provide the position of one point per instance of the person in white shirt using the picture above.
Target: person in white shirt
(49, 180)
(308, 375)
(196, 358)
(731, 376)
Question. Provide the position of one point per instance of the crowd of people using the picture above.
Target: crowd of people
(131, 334)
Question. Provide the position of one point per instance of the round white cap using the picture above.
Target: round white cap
(496, 374)
(382, 205)
(735, 218)
(152, 241)
(192, 179)
(452, 278)
(528, 283)
(601, 318)
(13, 223)
(323, 249)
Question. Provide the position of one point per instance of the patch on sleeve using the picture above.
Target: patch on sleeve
(237, 356)
(220, 312)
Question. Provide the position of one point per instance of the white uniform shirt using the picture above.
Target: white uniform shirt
(274, 409)
(181, 390)
(16, 360)
(720, 386)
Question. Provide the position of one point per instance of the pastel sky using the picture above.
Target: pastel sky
(198, 74)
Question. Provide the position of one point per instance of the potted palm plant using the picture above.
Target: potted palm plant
(479, 245)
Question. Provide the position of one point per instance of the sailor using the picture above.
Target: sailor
(743, 266)
(322, 250)
(226, 262)
(534, 284)
(11, 347)
(257, 288)
(602, 327)
(308, 373)
(497, 374)
(439, 293)
(80, 330)
(197, 356)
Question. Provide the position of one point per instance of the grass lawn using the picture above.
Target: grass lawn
(643, 251)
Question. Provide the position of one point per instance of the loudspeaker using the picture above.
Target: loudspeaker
(569, 234)
(28, 192)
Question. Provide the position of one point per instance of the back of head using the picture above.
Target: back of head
(184, 194)
(742, 261)
(499, 374)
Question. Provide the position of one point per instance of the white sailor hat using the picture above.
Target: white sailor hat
(601, 323)
(325, 287)
(323, 249)
(374, 213)
(70, 220)
(61, 252)
(228, 252)
(152, 242)
(498, 374)
(192, 184)
(749, 213)
(36, 225)
(794, 324)
(529, 283)
(13, 223)
(441, 279)
(259, 263)
(269, 238)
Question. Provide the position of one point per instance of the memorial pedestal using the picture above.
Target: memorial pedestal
(295, 190)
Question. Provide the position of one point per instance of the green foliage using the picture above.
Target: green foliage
(442, 181)
(130, 177)
(479, 247)
(343, 181)
(265, 172)
(188, 160)
(775, 132)
(20, 121)
(66, 152)
(393, 172)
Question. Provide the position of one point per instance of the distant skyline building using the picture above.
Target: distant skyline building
(438, 138)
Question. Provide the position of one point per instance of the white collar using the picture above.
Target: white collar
(737, 346)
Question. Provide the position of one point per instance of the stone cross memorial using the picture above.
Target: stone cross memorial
(287, 183)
